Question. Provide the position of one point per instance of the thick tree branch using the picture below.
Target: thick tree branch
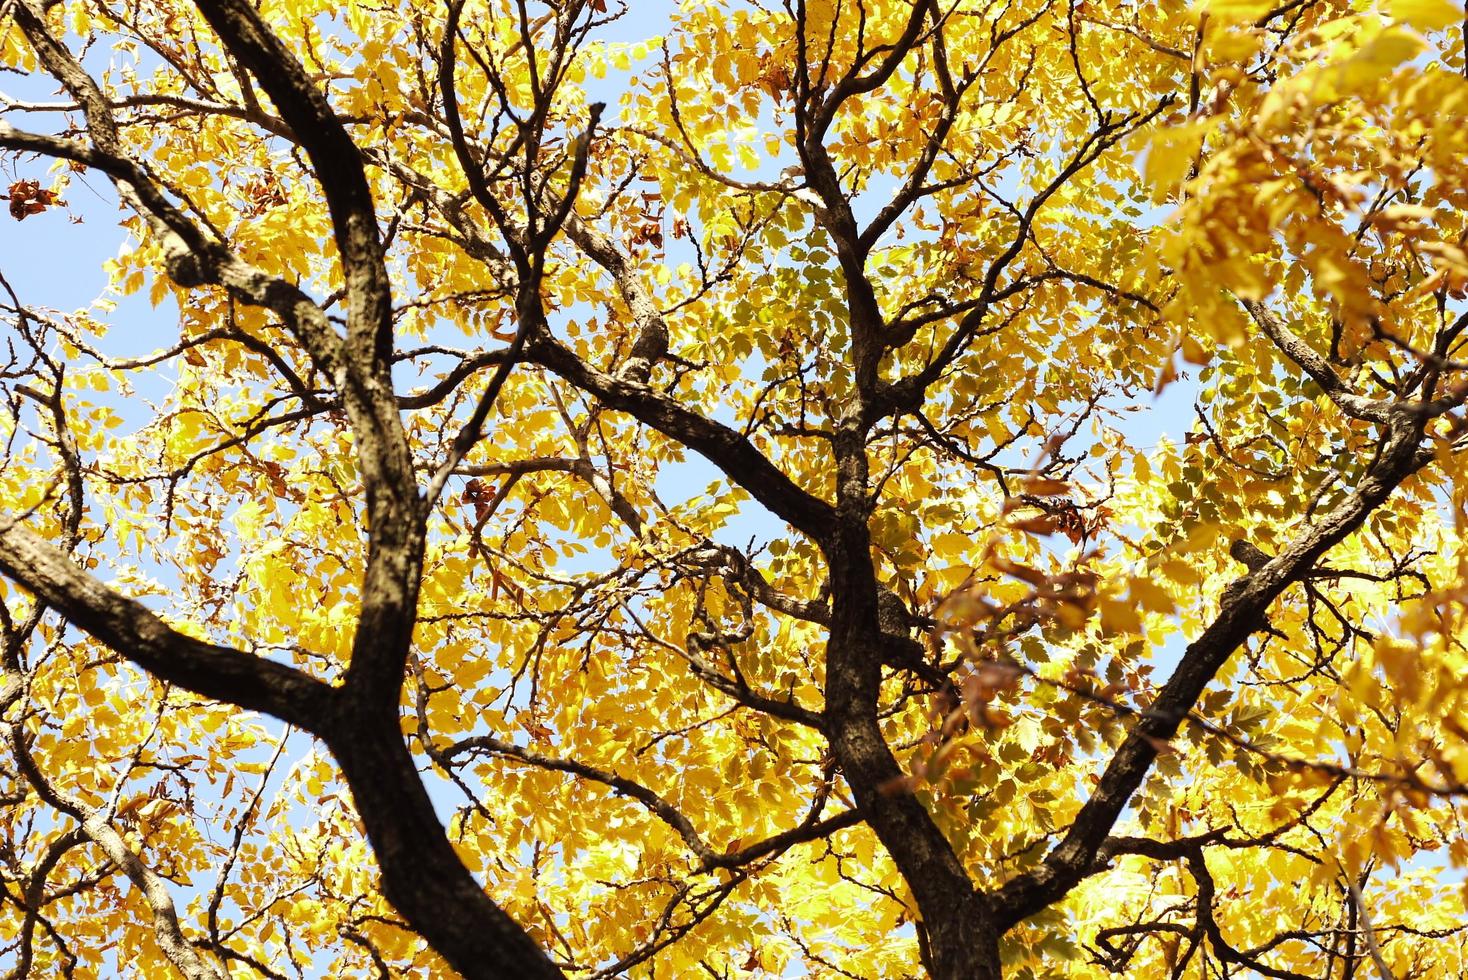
(1355, 405)
(363, 373)
(1241, 614)
(127, 626)
(650, 343)
(721, 445)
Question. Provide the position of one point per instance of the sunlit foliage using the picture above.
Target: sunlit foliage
(678, 492)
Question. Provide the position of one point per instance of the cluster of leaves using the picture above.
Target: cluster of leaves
(708, 533)
(28, 197)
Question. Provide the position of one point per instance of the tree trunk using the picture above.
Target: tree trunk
(422, 876)
(964, 947)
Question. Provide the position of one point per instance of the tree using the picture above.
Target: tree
(952, 667)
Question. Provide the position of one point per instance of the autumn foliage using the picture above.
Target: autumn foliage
(635, 491)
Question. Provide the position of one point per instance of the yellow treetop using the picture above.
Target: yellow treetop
(833, 488)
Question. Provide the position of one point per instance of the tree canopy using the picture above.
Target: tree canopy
(613, 490)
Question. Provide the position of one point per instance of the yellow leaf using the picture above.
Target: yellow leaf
(1234, 45)
(1234, 11)
(1194, 352)
(1181, 572)
(1171, 156)
(1119, 616)
(1426, 15)
(1151, 596)
(951, 543)
(1401, 662)
(1379, 57)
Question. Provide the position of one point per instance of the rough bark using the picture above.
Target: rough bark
(421, 875)
(128, 627)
